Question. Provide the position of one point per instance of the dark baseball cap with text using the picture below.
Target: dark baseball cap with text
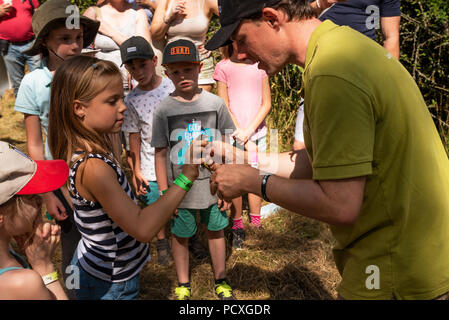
(136, 48)
(182, 50)
(232, 12)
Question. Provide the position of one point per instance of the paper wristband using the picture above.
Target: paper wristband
(50, 278)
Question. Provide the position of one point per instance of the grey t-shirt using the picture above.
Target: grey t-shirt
(176, 124)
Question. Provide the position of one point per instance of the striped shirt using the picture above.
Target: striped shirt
(105, 251)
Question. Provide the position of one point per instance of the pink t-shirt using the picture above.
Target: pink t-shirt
(244, 82)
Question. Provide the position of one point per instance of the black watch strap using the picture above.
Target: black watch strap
(264, 187)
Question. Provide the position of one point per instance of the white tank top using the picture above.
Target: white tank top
(194, 29)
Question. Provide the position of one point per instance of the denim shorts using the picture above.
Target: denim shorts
(152, 195)
(184, 224)
(92, 288)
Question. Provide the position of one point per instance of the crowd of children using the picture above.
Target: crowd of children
(78, 101)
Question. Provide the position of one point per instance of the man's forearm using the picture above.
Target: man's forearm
(392, 46)
(307, 197)
(293, 164)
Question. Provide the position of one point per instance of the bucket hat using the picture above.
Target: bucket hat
(53, 11)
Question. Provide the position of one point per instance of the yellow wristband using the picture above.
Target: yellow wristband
(50, 278)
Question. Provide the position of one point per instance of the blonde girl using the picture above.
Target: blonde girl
(86, 105)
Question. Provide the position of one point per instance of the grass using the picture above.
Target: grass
(291, 258)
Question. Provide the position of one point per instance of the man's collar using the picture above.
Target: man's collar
(323, 28)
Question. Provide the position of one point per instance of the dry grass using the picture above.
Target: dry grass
(290, 259)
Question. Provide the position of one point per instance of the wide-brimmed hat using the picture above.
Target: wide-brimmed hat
(20, 175)
(52, 12)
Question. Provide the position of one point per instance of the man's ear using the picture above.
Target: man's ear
(79, 109)
(271, 16)
(155, 60)
(201, 67)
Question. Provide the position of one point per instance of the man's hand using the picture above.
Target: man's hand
(222, 152)
(229, 181)
(54, 206)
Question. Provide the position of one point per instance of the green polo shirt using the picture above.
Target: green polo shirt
(365, 116)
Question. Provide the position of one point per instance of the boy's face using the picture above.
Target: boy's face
(65, 42)
(184, 75)
(143, 70)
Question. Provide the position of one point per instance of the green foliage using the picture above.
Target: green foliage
(425, 54)
(83, 4)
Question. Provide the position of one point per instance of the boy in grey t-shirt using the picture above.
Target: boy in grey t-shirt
(180, 118)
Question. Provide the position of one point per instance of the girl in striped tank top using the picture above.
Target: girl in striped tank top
(86, 105)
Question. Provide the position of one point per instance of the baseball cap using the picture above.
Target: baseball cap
(180, 51)
(232, 12)
(136, 47)
(19, 174)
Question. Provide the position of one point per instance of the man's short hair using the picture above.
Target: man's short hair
(294, 9)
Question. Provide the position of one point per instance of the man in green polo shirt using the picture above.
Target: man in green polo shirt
(374, 168)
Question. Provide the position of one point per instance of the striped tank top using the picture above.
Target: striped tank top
(105, 251)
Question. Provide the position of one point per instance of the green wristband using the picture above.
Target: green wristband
(183, 182)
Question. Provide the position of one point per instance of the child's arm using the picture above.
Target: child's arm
(243, 134)
(160, 165)
(134, 149)
(98, 181)
(222, 91)
(35, 147)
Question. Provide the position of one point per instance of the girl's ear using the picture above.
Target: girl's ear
(155, 60)
(79, 109)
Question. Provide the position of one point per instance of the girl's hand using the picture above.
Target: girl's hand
(42, 246)
(54, 206)
(194, 158)
(142, 186)
(241, 135)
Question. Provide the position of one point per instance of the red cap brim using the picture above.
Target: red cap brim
(50, 175)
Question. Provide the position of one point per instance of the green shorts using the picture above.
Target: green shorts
(184, 224)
